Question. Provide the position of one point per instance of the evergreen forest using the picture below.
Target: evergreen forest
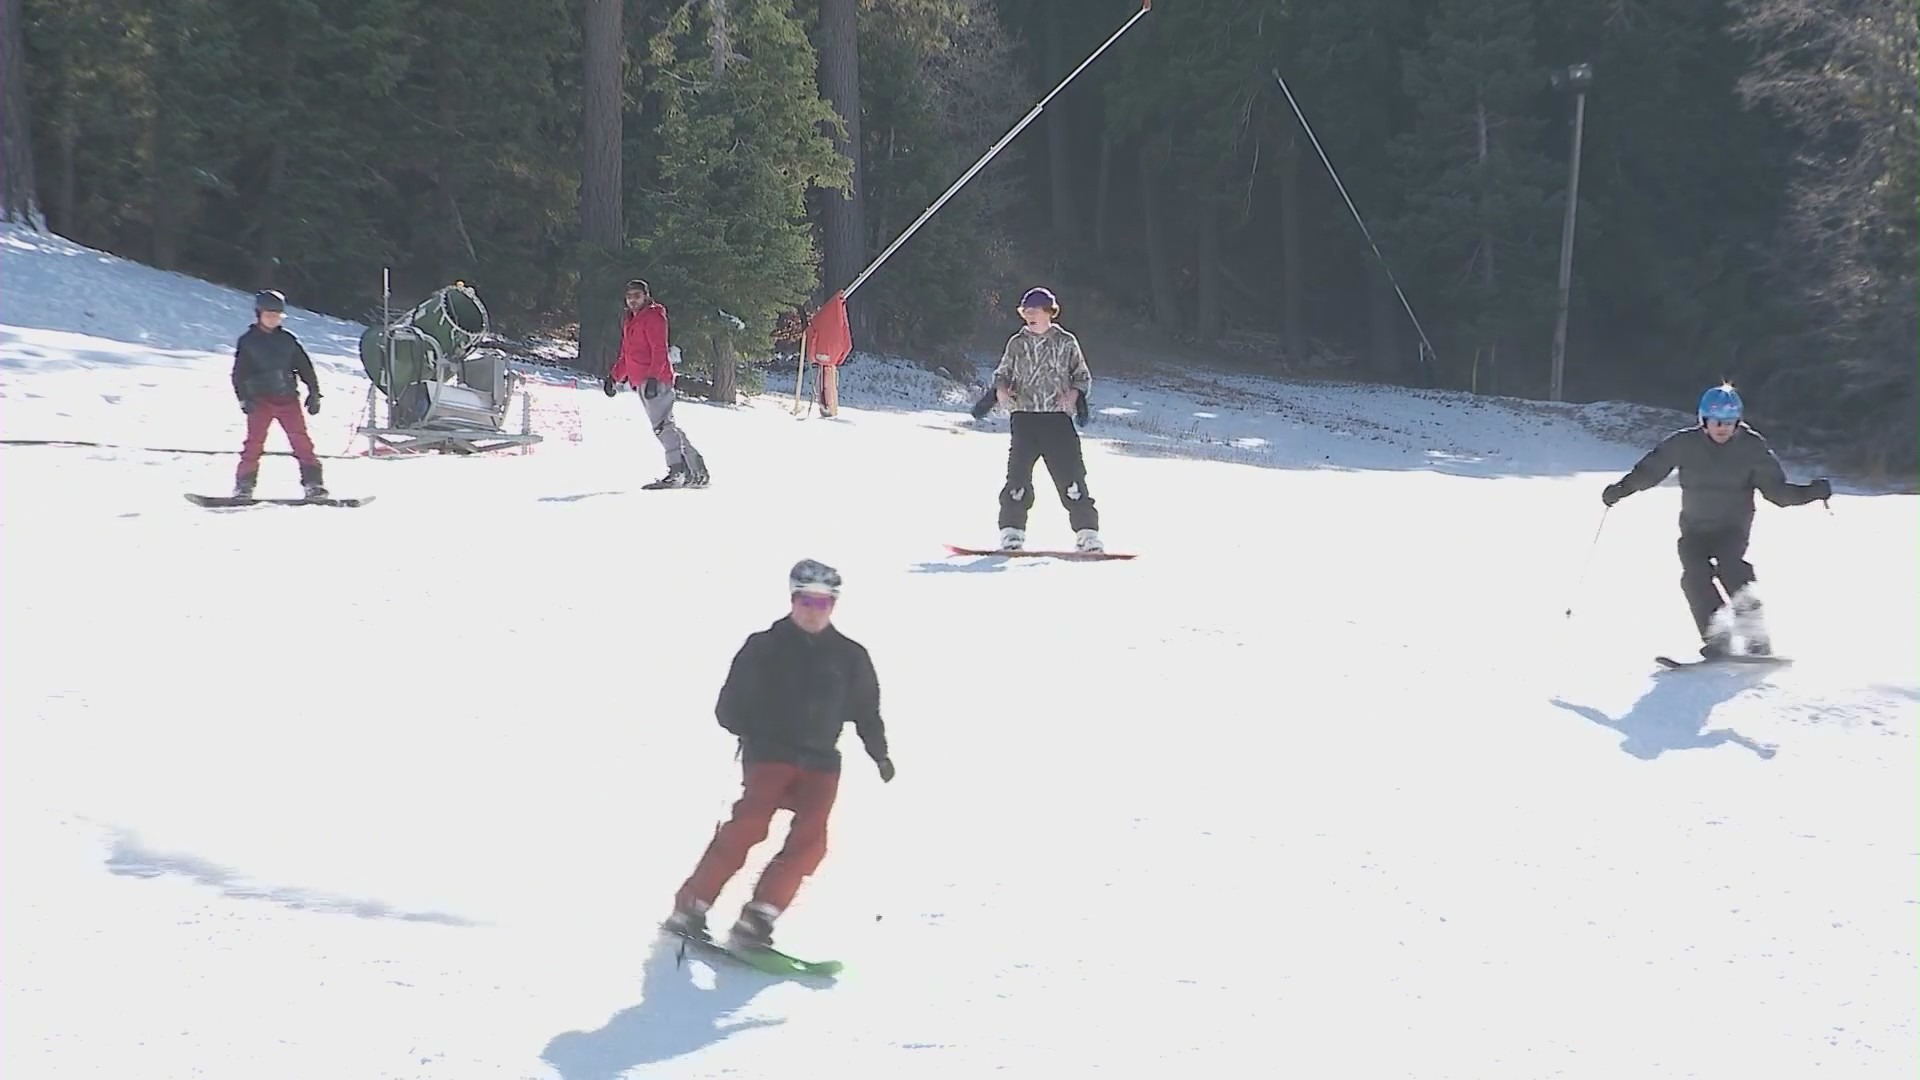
(1746, 183)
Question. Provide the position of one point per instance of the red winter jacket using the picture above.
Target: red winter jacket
(643, 347)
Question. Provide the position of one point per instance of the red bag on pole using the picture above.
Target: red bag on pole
(829, 339)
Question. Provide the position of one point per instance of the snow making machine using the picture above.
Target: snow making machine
(445, 390)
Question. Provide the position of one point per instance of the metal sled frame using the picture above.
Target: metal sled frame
(387, 441)
(460, 428)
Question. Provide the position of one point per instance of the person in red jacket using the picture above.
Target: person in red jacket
(645, 366)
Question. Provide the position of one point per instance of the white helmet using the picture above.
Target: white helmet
(813, 576)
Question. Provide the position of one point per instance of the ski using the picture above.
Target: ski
(1042, 553)
(1671, 664)
(223, 501)
(768, 960)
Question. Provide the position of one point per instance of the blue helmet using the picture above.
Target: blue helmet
(1720, 403)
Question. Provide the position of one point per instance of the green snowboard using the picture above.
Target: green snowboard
(769, 960)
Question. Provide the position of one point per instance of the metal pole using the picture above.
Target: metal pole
(1566, 250)
(386, 332)
(1145, 6)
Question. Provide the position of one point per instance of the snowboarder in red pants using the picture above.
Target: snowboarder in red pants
(792, 688)
(267, 361)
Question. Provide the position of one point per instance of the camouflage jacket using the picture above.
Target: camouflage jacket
(1037, 367)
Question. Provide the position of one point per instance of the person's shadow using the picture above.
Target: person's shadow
(675, 1017)
(1673, 714)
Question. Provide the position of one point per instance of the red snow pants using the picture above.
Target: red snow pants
(767, 787)
(259, 418)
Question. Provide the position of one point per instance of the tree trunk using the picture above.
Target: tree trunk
(1208, 317)
(602, 229)
(1383, 321)
(1102, 187)
(1292, 287)
(726, 374)
(1489, 283)
(19, 201)
(843, 217)
(171, 210)
(65, 196)
(266, 241)
(1166, 305)
(719, 37)
(1059, 132)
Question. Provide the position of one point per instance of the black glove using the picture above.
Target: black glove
(1613, 493)
(652, 389)
(313, 403)
(246, 406)
(985, 405)
(886, 770)
(1080, 413)
(607, 384)
(1820, 490)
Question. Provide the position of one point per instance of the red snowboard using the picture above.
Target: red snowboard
(1039, 553)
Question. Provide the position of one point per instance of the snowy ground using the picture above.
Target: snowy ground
(1324, 783)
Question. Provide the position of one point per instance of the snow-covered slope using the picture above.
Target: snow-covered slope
(1325, 782)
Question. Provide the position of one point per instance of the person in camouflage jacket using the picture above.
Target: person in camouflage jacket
(1042, 381)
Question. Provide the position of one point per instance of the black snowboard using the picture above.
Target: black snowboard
(216, 501)
(1671, 664)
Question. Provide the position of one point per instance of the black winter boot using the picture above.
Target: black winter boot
(310, 480)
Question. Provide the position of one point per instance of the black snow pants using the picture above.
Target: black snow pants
(1706, 554)
(1049, 437)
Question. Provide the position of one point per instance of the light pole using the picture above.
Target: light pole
(1574, 79)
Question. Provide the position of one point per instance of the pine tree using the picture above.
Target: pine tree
(481, 194)
(1479, 211)
(743, 133)
(941, 85)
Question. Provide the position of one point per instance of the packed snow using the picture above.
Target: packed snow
(1327, 782)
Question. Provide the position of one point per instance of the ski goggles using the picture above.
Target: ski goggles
(813, 601)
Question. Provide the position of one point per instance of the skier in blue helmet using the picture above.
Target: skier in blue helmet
(1721, 462)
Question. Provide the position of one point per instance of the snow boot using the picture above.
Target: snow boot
(1088, 540)
(310, 480)
(243, 486)
(697, 476)
(690, 921)
(1750, 623)
(1012, 539)
(1718, 646)
(754, 928)
(677, 476)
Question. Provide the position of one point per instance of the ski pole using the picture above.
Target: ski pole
(1592, 546)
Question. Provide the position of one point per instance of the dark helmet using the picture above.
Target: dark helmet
(1041, 298)
(269, 300)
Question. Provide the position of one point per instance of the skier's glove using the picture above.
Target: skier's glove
(1820, 490)
(1080, 412)
(607, 384)
(985, 405)
(246, 406)
(652, 389)
(886, 770)
(313, 403)
(1613, 493)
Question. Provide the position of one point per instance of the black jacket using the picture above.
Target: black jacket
(1717, 480)
(266, 364)
(789, 693)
